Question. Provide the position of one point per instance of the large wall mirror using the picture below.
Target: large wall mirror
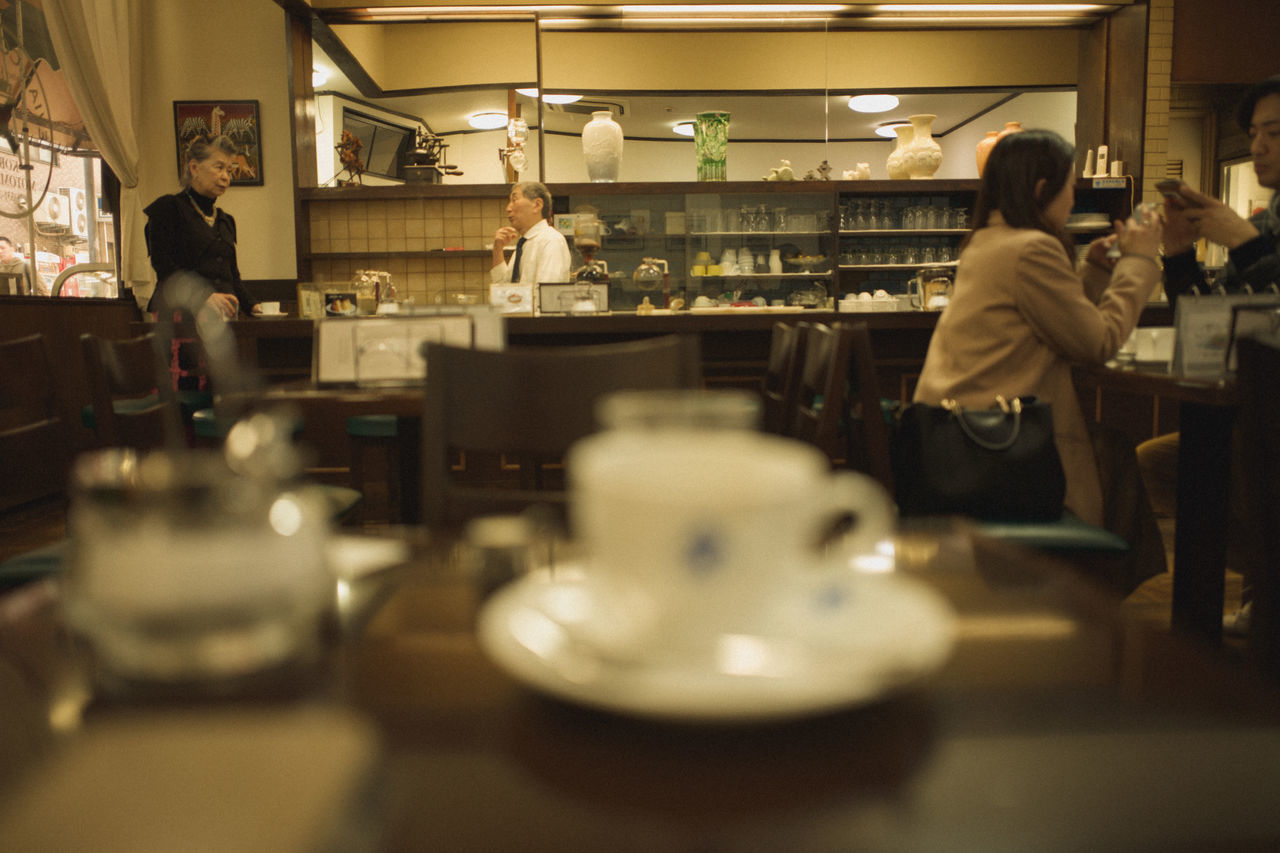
(787, 92)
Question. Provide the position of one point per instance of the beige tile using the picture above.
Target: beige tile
(397, 244)
(434, 232)
(395, 228)
(319, 244)
(378, 244)
(473, 208)
(377, 210)
(340, 244)
(358, 244)
(451, 208)
(415, 228)
(416, 265)
(433, 208)
(395, 208)
(358, 229)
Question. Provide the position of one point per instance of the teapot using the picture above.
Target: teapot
(930, 290)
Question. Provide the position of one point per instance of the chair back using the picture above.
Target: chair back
(821, 393)
(781, 386)
(35, 438)
(129, 388)
(529, 404)
(1258, 376)
(867, 436)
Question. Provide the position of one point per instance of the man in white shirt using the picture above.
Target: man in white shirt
(541, 251)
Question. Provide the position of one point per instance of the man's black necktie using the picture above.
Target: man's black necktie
(515, 262)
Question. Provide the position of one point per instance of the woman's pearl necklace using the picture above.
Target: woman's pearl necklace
(209, 219)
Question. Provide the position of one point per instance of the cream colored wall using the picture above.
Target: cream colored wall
(809, 60)
(414, 56)
(231, 50)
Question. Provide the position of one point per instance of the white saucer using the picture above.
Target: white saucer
(826, 644)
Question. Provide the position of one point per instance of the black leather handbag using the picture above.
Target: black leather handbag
(994, 464)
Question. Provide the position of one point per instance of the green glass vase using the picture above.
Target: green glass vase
(710, 141)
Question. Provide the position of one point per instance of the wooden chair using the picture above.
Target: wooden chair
(529, 404)
(781, 385)
(1259, 412)
(35, 436)
(820, 397)
(867, 436)
(132, 398)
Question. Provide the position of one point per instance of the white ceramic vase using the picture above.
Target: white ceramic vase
(897, 168)
(602, 147)
(922, 156)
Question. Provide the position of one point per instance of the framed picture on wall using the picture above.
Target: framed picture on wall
(237, 120)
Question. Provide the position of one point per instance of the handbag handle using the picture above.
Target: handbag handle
(1014, 408)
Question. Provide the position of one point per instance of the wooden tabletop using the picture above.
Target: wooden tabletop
(1055, 725)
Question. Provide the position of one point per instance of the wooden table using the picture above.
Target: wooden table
(1055, 726)
(1207, 409)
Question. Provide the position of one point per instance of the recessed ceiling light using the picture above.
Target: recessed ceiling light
(873, 103)
(488, 121)
(889, 129)
(551, 98)
(319, 76)
(683, 128)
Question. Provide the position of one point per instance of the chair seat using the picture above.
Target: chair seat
(372, 426)
(134, 406)
(33, 565)
(1068, 534)
(206, 424)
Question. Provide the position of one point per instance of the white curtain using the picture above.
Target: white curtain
(99, 45)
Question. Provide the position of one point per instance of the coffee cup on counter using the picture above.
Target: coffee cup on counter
(269, 309)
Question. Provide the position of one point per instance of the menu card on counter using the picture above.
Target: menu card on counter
(1204, 331)
(387, 350)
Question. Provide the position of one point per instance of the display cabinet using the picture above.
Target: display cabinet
(798, 243)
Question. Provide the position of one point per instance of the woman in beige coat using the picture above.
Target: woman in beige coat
(1021, 314)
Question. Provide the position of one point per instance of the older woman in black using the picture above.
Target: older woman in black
(188, 232)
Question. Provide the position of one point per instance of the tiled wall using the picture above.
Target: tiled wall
(1155, 155)
(419, 227)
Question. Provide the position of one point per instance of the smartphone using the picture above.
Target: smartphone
(1172, 189)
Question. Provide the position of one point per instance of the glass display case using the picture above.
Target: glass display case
(736, 245)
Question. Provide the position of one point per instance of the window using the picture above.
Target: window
(385, 144)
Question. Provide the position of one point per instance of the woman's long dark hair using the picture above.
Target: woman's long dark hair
(1017, 162)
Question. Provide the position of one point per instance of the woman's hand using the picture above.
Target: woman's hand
(225, 304)
(1209, 218)
(1140, 237)
(1100, 252)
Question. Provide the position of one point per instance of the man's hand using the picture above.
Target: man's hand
(503, 237)
(1204, 216)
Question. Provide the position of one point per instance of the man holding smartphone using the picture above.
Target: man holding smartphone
(1253, 245)
(1253, 251)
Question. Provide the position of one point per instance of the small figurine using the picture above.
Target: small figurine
(861, 172)
(824, 171)
(781, 173)
(349, 156)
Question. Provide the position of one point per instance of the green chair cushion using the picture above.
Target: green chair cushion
(206, 424)
(372, 426)
(1067, 534)
(33, 565)
(122, 407)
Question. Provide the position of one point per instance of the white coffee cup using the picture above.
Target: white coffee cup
(269, 308)
(1154, 343)
(697, 534)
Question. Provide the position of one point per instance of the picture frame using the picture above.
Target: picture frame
(238, 120)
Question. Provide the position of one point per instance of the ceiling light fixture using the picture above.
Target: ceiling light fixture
(889, 129)
(873, 103)
(682, 128)
(319, 76)
(487, 121)
(551, 97)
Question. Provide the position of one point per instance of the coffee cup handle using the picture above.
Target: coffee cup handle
(867, 501)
